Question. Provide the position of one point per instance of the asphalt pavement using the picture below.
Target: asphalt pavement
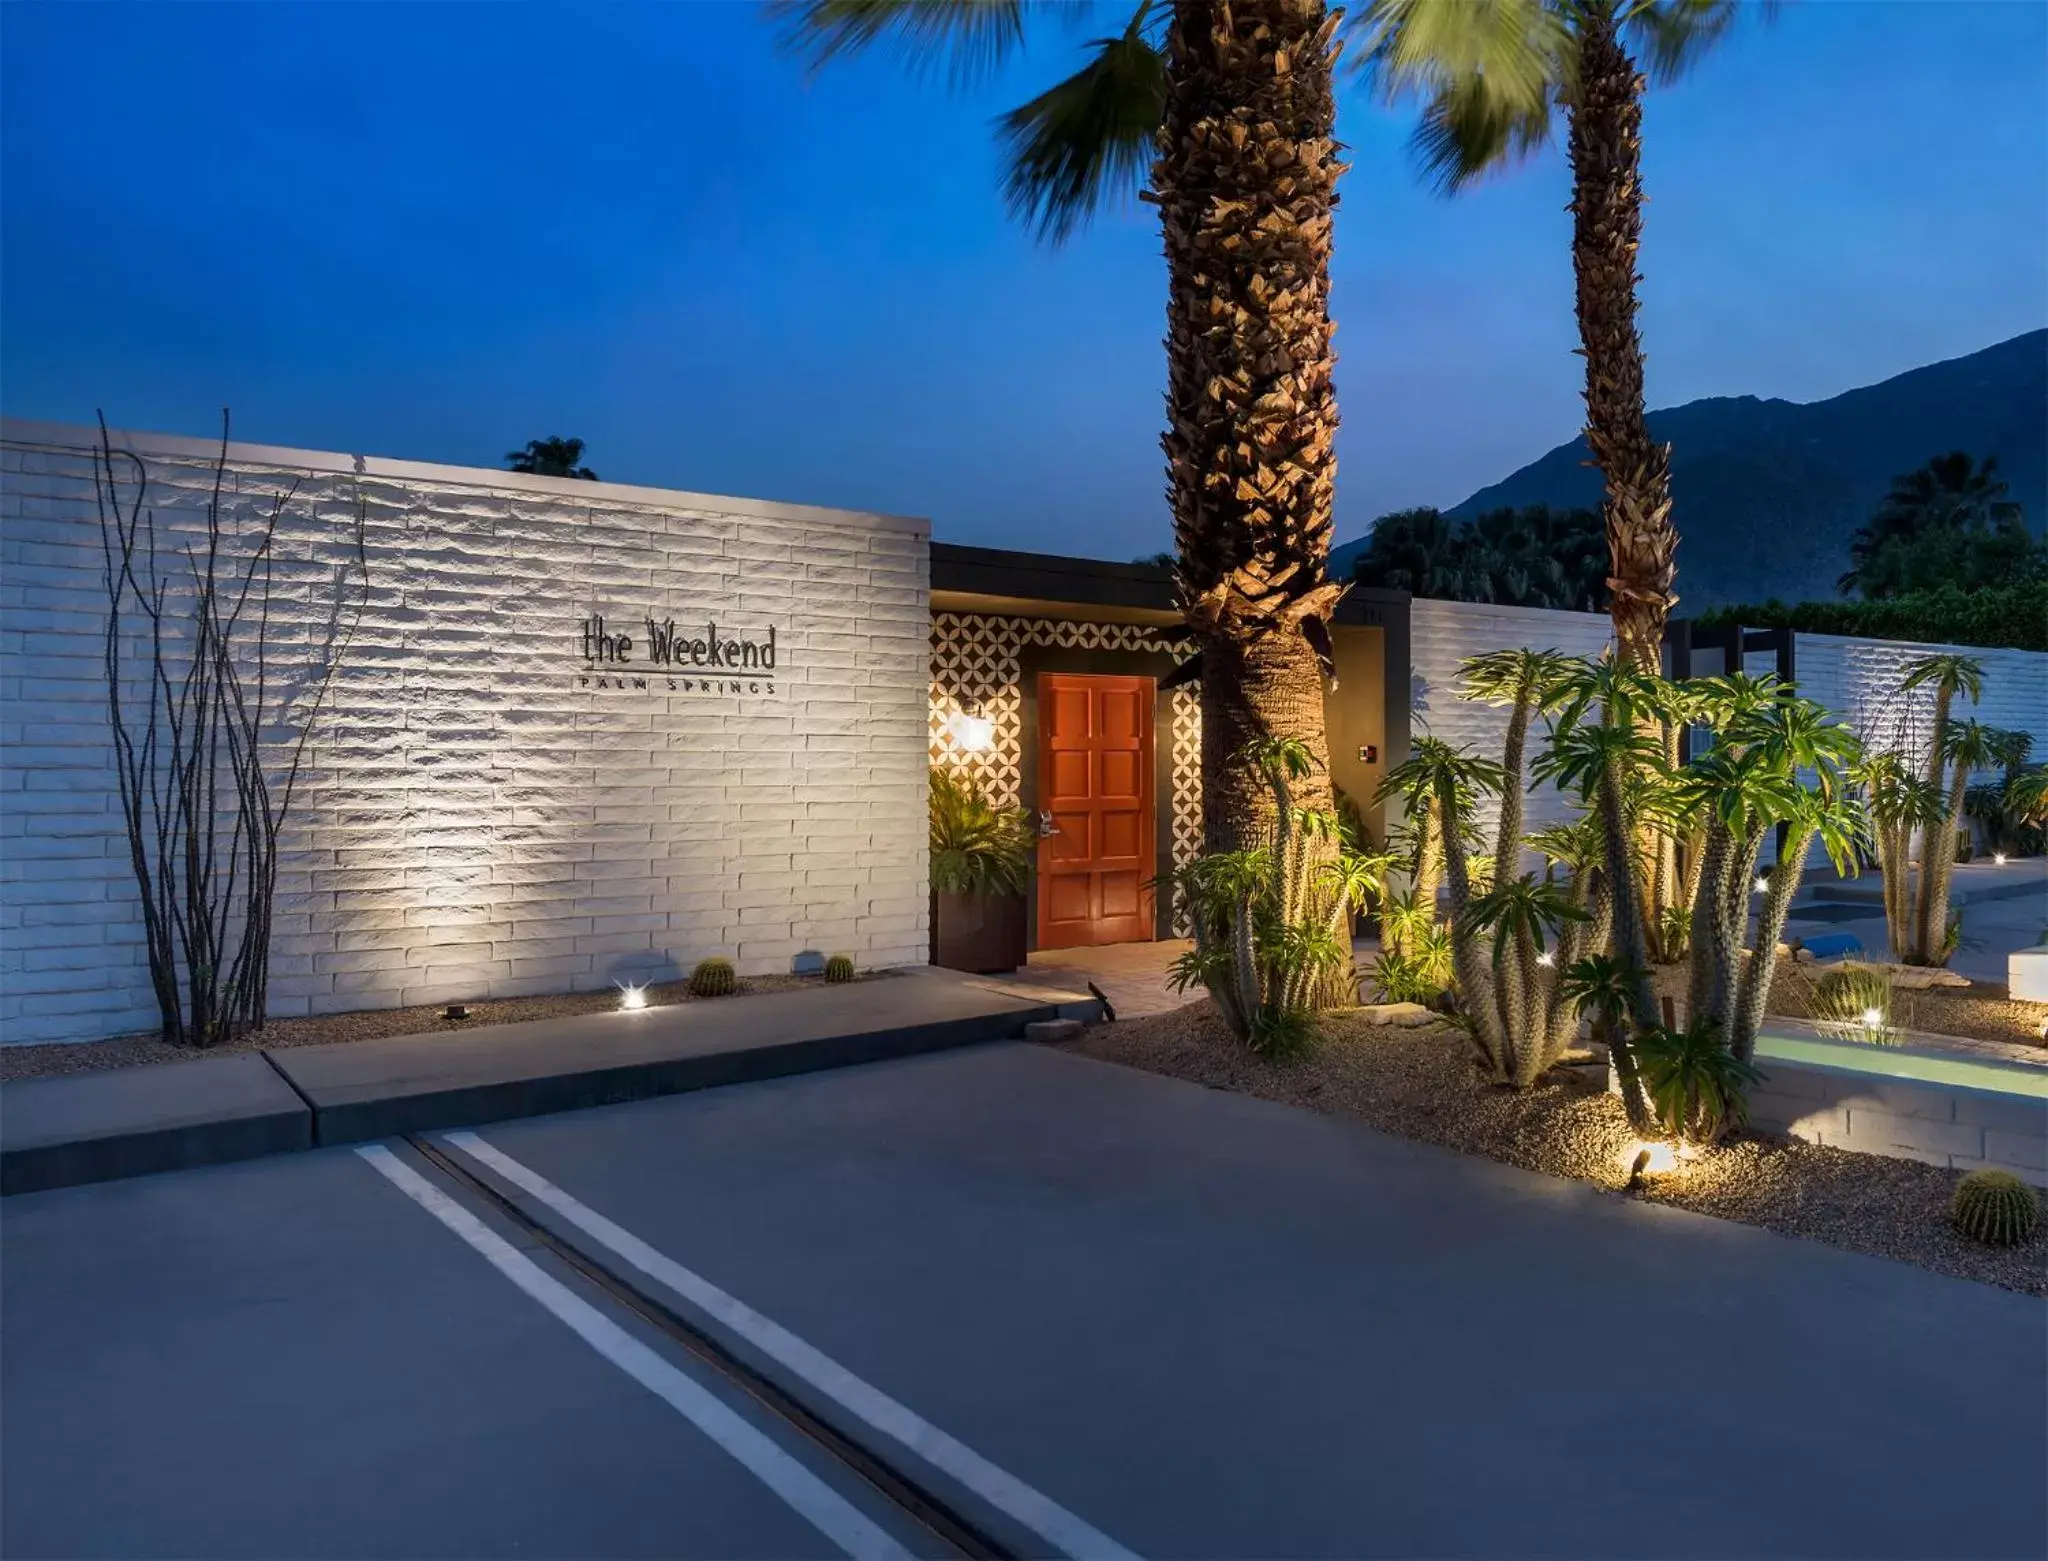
(1069, 1307)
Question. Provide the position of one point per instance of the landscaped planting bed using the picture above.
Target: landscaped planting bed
(373, 1024)
(1419, 1083)
(1981, 1011)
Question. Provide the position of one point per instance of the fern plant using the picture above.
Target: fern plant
(976, 847)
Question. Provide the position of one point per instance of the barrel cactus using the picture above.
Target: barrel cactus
(839, 968)
(1856, 999)
(1995, 1207)
(713, 977)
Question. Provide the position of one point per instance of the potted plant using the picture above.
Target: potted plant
(981, 865)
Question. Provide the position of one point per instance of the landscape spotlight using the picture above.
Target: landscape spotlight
(1873, 1017)
(1761, 885)
(632, 994)
(1998, 858)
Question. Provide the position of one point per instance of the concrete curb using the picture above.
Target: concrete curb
(100, 1127)
(96, 1127)
(389, 1116)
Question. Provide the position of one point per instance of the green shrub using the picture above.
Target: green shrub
(2015, 616)
(1849, 996)
(713, 977)
(1995, 1207)
(976, 847)
(1696, 1086)
(839, 968)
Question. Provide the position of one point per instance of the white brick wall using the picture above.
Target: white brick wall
(475, 822)
(1857, 679)
(1963, 1128)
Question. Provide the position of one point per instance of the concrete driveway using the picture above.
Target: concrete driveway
(1128, 1313)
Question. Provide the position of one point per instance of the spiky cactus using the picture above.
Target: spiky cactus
(1856, 998)
(1937, 802)
(713, 977)
(1995, 1207)
(839, 968)
(1272, 924)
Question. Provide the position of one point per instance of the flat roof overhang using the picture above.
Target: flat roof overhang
(1094, 590)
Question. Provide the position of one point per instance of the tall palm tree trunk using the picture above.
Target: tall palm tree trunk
(1605, 145)
(1246, 181)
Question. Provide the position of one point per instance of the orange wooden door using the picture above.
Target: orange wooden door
(1095, 780)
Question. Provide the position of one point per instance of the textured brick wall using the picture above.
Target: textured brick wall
(478, 817)
(1858, 679)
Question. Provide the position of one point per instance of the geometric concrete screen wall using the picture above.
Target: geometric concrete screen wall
(496, 801)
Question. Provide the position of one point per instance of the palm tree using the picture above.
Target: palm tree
(1493, 74)
(551, 458)
(1230, 110)
(1951, 501)
(1413, 550)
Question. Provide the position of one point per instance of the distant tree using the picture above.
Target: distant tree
(1156, 560)
(550, 458)
(1948, 523)
(1413, 550)
(1531, 557)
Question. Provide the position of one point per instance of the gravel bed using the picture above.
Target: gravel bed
(1981, 1011)
(1420, 1084)
(370, 1024)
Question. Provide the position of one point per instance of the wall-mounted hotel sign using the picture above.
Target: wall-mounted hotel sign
(663, 657)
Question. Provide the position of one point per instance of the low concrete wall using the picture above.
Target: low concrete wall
(1909, 1119)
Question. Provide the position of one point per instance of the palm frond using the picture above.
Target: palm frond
(1673, 34)
(1468, 131)
(1087, 140)
(967, 39)
(1489, 73)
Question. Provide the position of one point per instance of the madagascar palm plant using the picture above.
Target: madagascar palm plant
(1272, 923)
(1493, 76)
(1529, 683)
(1901, 806)
(1754, 779)
(1933, 806)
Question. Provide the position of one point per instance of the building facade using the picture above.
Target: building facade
(586, 733)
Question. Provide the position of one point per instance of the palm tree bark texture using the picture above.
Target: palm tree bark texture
(1245, 178)
(1605, 147)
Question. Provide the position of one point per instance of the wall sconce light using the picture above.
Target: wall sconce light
(971, 731)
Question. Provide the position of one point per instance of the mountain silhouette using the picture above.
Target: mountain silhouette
(1766, 493)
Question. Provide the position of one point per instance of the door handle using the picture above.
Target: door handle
(1046, 827)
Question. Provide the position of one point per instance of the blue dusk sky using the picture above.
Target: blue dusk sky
(435, 231)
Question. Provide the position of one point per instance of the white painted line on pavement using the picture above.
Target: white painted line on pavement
(1038, 1512)
(829, 1512)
